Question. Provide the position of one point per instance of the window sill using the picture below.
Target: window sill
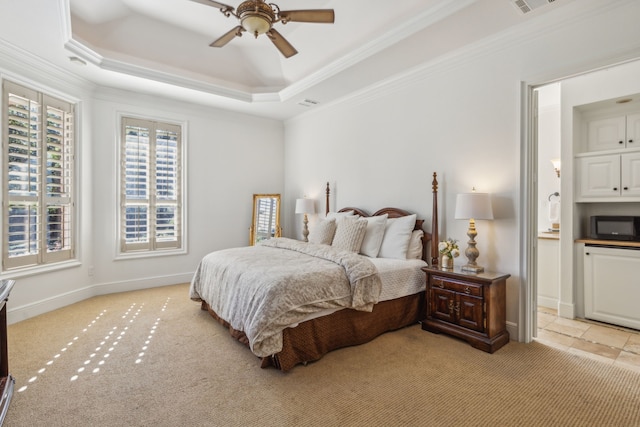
(39, 269)
(149, 254)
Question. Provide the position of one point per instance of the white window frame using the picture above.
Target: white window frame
(152, 246)
(62, 175)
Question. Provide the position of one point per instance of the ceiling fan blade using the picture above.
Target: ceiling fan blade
(227, 37)
(223, 7)
(281, 43)
(326, 16)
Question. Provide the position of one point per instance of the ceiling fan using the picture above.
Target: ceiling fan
(257, 17)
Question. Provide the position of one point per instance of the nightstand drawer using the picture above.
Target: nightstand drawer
(460, 287)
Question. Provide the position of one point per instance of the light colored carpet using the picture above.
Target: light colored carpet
(167, 363)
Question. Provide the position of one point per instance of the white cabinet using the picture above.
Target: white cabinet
(633, 131)
(613, 176)
(613, 133)
(612, 285)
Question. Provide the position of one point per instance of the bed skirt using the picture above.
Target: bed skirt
(311, 340)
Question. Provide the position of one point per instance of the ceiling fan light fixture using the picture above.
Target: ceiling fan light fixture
(256, 17)
(255, 24)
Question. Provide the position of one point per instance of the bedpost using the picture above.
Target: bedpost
(326, 204)
(434, 223)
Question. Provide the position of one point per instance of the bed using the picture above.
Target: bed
(254, 291)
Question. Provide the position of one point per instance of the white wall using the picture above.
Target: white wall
(461, 118)
(230, 157)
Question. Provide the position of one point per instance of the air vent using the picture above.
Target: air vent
(308, 102)
(526, 6)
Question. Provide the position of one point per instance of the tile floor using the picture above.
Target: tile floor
(609, 343)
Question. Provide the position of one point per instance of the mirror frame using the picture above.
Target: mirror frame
(252, 230)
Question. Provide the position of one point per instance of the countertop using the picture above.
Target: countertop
(620, 243)
(551, 235)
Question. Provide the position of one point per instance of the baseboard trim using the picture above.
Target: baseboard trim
(548, 302)
(137, 284)
(512, 328)
(567, 311)
(17, 314)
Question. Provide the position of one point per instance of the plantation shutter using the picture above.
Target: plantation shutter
(38, 141)
(151, 182)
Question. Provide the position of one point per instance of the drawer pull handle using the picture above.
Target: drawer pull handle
(450, 306)
(440, 285)
(467, 290)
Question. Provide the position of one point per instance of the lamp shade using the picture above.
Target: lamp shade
(473, 206)
(305, 206)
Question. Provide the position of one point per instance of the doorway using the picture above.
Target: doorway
(577, 96)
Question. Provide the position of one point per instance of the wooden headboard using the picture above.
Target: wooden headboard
(429, 237)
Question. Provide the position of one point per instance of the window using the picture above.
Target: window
(38, 176)
(151, 186)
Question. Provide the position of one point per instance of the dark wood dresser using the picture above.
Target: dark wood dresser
(6, 380)
(470, 306)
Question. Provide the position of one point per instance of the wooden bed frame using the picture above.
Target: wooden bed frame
(312, 339)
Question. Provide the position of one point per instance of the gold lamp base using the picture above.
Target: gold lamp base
(472, 252)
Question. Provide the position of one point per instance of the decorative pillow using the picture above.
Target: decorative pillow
(339, 215)
(414, 251)
(373, 236)
(396, 238)
(322, 232)
(349, 233)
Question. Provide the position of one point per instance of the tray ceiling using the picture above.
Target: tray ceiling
(162, 46)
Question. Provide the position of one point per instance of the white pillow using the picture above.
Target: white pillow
(349, 233)
(414, 251)
(322, 232)
(396, 237)
(339, 215)
(373, 236)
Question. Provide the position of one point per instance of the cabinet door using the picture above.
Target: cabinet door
(443, 304)
(606, 134)
(599, 176)
(633, 131)
(611, 287)
(470, 312)
(630, 173)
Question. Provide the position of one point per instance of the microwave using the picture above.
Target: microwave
(615, 227)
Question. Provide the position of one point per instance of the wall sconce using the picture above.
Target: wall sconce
(556, 166)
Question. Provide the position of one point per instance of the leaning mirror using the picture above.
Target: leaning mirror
(266, 218)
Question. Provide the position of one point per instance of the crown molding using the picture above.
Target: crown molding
(251, 95)
(536, 28)
(388, 39)
(22, 65)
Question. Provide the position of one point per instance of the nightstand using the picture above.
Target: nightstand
(6, 380)
(470, 306)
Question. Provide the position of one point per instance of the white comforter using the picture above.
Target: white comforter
(262, 289)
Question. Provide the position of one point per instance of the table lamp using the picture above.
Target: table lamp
(473, 206)
(305, 206)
